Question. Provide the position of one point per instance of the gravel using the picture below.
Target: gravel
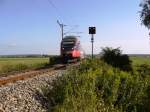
(26, 96)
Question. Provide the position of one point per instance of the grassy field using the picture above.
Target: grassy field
(9, 65)
(138, 60)
(18, 64)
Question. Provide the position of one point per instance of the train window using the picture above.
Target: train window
(67, 42)
(69, 45)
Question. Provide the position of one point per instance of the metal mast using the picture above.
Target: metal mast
(62, 28)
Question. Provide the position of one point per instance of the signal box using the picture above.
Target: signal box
(92, 30)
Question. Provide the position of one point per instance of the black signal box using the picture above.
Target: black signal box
(92, 30)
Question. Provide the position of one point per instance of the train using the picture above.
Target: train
(71, 49)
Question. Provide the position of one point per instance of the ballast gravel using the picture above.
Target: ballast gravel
(26, 95)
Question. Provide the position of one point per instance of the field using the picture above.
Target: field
(138, 60)
(8, 65)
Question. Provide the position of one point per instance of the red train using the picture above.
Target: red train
(71, 49)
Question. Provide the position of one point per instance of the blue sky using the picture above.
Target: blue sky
(30, 27)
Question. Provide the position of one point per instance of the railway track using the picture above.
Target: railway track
(30, 74)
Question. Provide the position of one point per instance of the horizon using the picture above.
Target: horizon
(58, 54)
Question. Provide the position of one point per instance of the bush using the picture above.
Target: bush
(116, 59)
(75, 91)
(144, 70)
(95, 86)
(54, 60)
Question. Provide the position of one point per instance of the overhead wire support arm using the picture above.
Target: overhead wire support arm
(73, 33)
(62, 28)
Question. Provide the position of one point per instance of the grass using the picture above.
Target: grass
(139, 60)
(8, 65)
(95, 86)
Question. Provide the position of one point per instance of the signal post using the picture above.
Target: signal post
(92, 31)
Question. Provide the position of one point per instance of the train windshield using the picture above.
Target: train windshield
(68, 45)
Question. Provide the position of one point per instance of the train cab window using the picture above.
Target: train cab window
(68, 45)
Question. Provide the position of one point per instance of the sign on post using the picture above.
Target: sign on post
(92, 31)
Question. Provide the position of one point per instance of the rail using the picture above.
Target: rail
(30, 74)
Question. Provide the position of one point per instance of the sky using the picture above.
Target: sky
(30, 26)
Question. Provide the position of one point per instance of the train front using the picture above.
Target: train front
(69, 48)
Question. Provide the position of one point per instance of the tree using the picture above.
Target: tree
(145, 13)
(115, 58)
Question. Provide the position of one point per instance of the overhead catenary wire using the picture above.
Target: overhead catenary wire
(51, 3)
(59, 14)
(59, 17)
(56, 9)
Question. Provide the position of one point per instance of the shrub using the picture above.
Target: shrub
(115, 58)
(143, 70)
(54, 60)
(75, 91)
(94, 86)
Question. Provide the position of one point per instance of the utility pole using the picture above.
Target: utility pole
(62, 28)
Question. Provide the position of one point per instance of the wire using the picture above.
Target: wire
(60, 17)
(56, 9)
(59, 14)
(51, 3)
(71, 29)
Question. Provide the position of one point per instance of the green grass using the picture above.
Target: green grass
(95, 86)
(139, 60)
(8, 65)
